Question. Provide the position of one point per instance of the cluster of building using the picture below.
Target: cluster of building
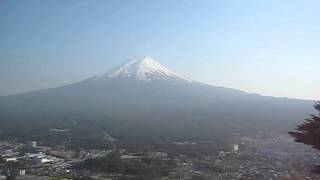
(19, 159)
(262, 158)
(29, 153)
(251, 158)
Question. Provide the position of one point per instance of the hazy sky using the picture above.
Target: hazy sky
(269, 47)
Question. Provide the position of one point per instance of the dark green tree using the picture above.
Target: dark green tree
(309, 131)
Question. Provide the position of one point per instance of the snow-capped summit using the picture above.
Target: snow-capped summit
(143, 69)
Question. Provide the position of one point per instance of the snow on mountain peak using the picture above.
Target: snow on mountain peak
(143, 69)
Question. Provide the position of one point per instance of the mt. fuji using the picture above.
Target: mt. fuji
(146, 98)
(143, 69)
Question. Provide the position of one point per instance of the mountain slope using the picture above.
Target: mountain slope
(144, 97)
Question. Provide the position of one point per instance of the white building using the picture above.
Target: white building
(12, 159)
(42, 160)
(32, 145)
(234, 147)
(22, 172)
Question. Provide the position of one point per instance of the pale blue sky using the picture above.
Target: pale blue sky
(270, 47)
